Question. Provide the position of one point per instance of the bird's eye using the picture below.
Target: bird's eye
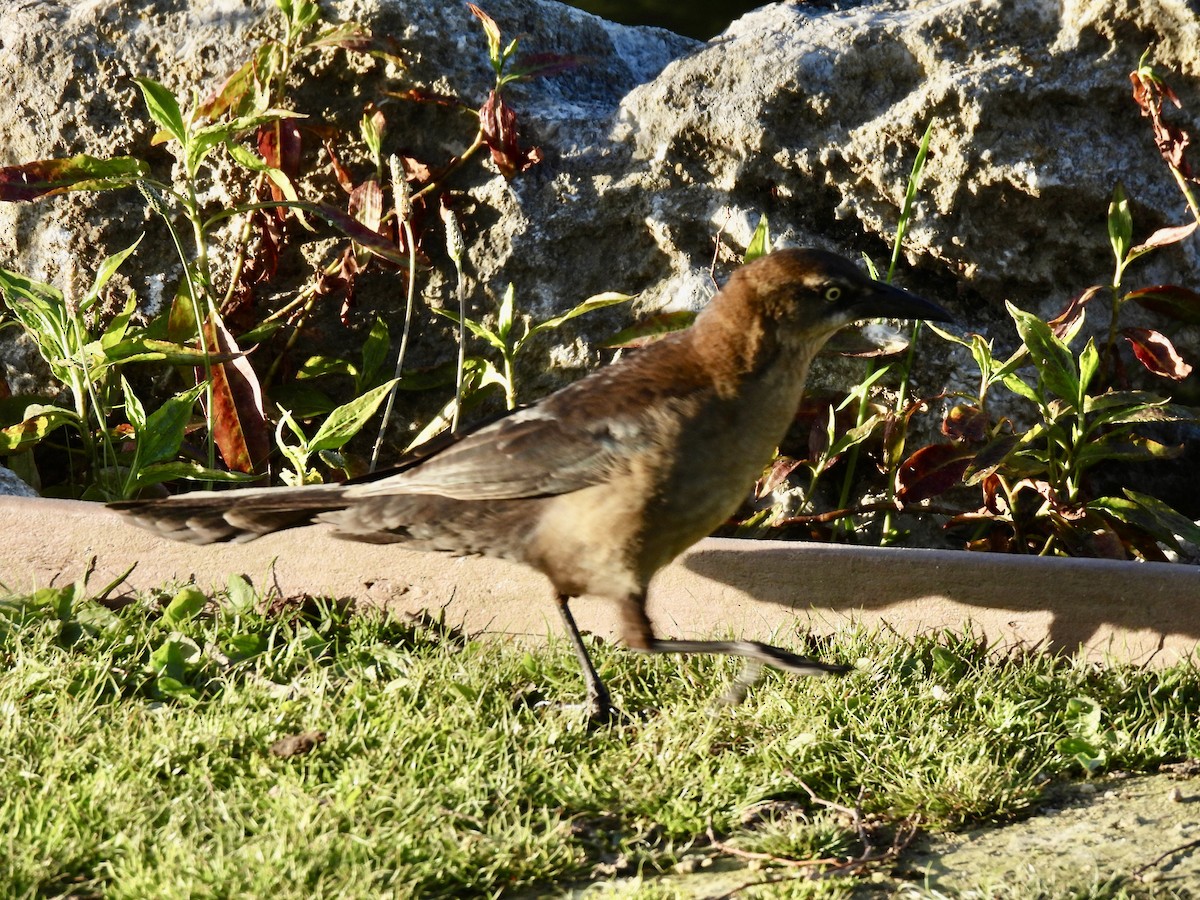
(833, 293)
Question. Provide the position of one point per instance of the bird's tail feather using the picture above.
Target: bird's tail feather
(209, 517)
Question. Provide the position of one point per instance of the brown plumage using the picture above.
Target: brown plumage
(604, 482)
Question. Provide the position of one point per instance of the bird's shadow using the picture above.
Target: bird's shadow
(1082, 599)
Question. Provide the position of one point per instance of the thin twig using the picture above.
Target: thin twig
(767, 857)
(403, 203)
(1150, 865)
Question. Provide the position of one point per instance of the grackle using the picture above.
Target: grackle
(604, 482)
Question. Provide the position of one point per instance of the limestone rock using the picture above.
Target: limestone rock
(12, 485)
(657, 148)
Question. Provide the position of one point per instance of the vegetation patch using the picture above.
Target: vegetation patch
(183, 746)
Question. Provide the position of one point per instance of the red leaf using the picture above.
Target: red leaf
(262, 262)
(648, 330)
(498, 123)
(489, 25)
(230, 94)
(1065, 320)
(994, 499)
(417, 95)
(895, 433)
(1149, 92)
(46, 177)
(1170, 300)
(1164, 237)
(415, 170)
(279, 145)
(344, 178)
(776, 474)
(543, 65)
(931, 471)
(366, 204)
(240, 426)
(965, 422)
(1157, 353)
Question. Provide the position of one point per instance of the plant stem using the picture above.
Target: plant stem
(403, 205)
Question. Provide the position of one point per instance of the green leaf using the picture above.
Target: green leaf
(760, 241)
(1170, 518)
(167, 660)
(37, 293)
(320, 366)
(1083, 716)
(303, 400)
(96, 619)
(347, 420)
(1134, 515)
(507, 312)
(1017, 385)
(1054, 362)
(476, 328)
(163, 109)
(997, 452)
(242, 596)
(371, 136)
(162, 435)
(204, 140)
(947, 663)
(847, 439)
(118, 325)
(1133, 407)
(1120, 224)
(910, 196)
(241, 647)
(1087, 754)
(105, 272)
(246, 158)
(140, 349)
(646, 330)
(173, 688)
(597, 301)
(492, 30)
(1120, 446)
(133, 407)
(1089, 365)
(39, 421)
(157, 473)
(374, 353)
(184, 607)
(981, 352)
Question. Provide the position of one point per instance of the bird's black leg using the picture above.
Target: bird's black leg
(639, 635)
(763, 654)
(598, 701)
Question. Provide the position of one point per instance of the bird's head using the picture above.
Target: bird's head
(810, 294)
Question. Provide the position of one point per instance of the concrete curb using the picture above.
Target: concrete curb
(1142, 612)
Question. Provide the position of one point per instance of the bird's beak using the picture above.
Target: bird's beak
(883, 301)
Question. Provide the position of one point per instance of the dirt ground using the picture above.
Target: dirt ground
(1143, 828)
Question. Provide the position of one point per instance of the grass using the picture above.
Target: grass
(451, 767)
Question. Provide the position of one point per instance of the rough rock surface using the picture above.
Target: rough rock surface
(657, 147)
(11, 485)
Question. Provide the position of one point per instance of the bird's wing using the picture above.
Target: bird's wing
(580, 436)
(528, 454)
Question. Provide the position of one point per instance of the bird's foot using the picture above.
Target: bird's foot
(599, 706)
(735, 694)
(757, 655)
(789, 662)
